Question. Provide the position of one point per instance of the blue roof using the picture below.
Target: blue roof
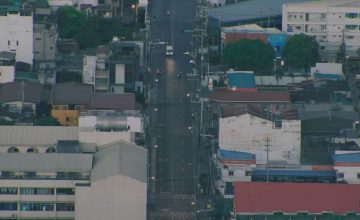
(347, 158)
(241, 80)
(250, 10)
(318, 173)
(327, 76)
(235, 155)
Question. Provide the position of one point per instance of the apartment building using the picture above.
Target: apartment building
(333, 23)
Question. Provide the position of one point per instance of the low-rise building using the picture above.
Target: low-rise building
(331, 71)
(21, 97)
(347, 164)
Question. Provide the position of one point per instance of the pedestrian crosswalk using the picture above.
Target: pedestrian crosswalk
(169, 195)
(169, 213)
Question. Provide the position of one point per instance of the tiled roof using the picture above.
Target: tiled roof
(256, 197)
(118, 102)
(13, 91)
(225, 95)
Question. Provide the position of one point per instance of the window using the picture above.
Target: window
(278, 124)
(50, 150)
(351, 15)
(65, 191)
(350, 37)
(17, 43)
(225, 166)
(8, 190)
(323, 27)
(8, 43)
(36, 191)
(7, 174)
(248, 173)
(30, 175)
(38, 38)
(30, 206)
(358, 175)
(8, 206)
(231, 173)
(351, 27)
(65, 207)
(340, 175)
(32, 150)
(13, 150)
(322, 47)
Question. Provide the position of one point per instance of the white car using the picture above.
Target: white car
(169, 51)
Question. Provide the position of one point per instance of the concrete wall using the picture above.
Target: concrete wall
(16, 35)
(101, 138)
(7, 74)
(66, 117)
(113, 198)
(89, 69)
(248, 133)
(44, 42)
(350, 173)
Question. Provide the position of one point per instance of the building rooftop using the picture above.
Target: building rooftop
(21, 91)
(120, 158)
(328, 3)
(46, 162)
(256, 197)
(309, 115)
(63, 94)
(249, 28)
(225, 95)
(249, 10)
(125, 101)
(5, 55)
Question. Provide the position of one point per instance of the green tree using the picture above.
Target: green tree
(301, 51)
(249, 54)
(41, 4)
(68, 76)
(50, 121)
(70, 21)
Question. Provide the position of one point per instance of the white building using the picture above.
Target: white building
(330, 22)
(332, 71)
(89, 69)
(233, 167)
(248, 131)
(347, 166)
(16, 34)
(51, 173)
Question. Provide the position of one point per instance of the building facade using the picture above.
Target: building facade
(333, 23)
(346, 164)
(17, 33)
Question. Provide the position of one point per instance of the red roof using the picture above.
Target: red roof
(294, 197)
(225, 95)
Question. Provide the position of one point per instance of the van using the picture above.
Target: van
(169, 51)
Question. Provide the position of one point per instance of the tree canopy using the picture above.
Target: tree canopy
(98, 30)
(41, 4)
(70, 21)
(247, 54)
(301, 51)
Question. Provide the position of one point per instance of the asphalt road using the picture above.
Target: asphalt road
(174, 179)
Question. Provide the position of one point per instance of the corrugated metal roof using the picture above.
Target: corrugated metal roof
(51, 162)
(347, 158)
(328, 3)
(308, 115)
(118, 102)
(235, 155)
(249, 10)
(13, 91)
(120, 158)
(295, 197)
(303, 173)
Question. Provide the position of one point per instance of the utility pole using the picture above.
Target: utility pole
(267, 145)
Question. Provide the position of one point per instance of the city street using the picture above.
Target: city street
(171, 112)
